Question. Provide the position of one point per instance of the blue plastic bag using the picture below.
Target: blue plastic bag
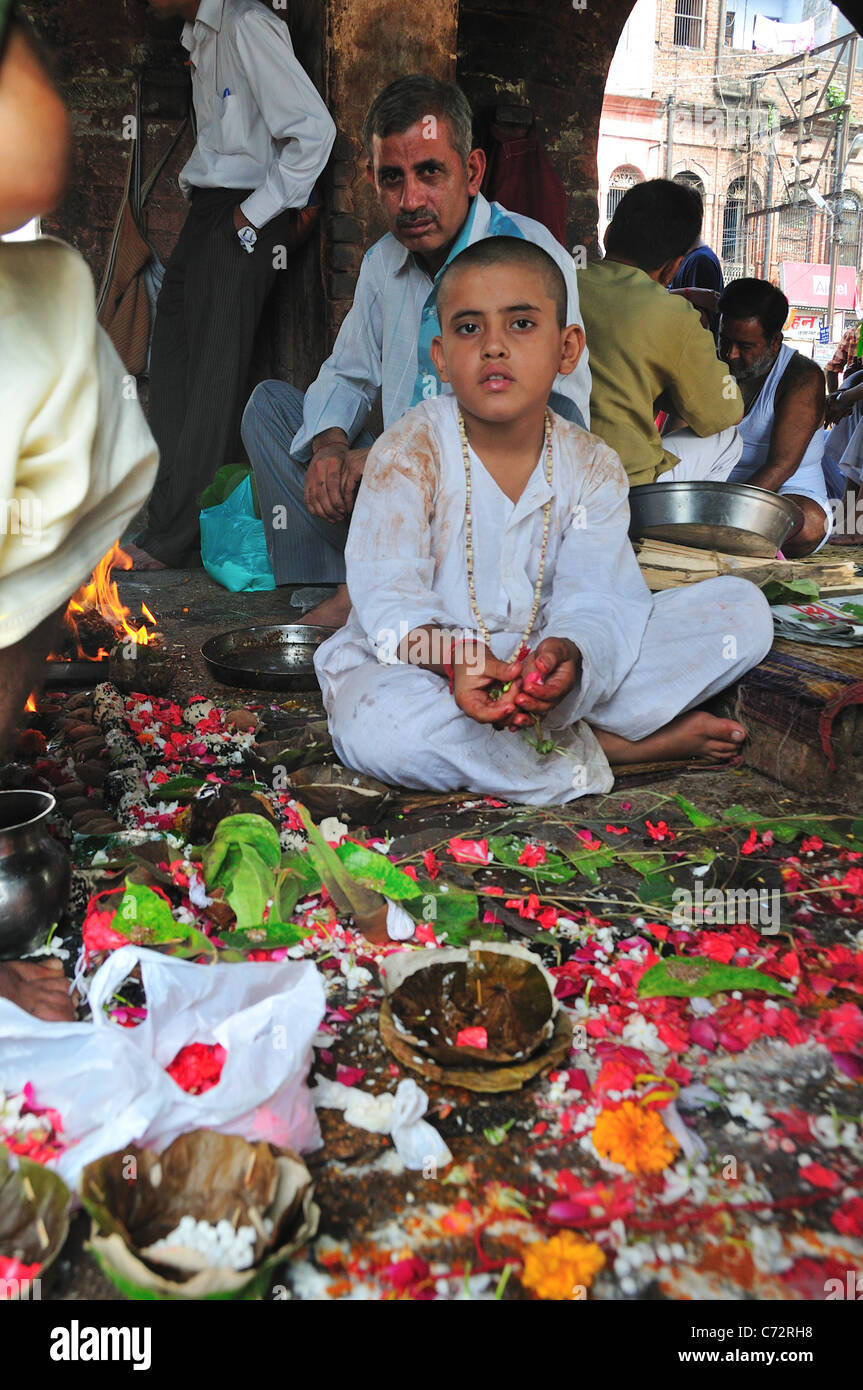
(233, 543)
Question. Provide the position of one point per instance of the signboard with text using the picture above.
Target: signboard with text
(802, 323)
(809, 285)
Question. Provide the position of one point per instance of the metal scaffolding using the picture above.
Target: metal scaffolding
(810, 224)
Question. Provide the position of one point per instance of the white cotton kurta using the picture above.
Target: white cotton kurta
(76, 457)
(644, 660)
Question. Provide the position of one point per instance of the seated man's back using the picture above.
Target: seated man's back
(645, 343)
(648, 350)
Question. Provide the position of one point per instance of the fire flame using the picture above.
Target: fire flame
(100, 593)
(31, 703)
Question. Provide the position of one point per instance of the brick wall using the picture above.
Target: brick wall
(96, 49)
(553, 58)
(369, 45)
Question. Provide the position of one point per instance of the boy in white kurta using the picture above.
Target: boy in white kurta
(489, 549)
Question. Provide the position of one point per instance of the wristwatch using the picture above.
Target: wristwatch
(248, 236)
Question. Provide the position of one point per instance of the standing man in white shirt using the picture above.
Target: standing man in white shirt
(308, 452)
(263, 139)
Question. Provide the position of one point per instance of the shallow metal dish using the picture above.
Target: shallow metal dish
(731, 517)
(280, 657)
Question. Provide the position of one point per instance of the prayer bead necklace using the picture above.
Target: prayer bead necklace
(521, 646)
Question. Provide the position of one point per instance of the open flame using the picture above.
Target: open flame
(99, 595)
(31, 703)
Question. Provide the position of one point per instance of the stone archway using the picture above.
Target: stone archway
(555, 58)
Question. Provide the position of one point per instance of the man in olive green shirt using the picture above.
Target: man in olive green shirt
(649, 350)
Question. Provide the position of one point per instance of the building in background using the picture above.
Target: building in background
(746, 101)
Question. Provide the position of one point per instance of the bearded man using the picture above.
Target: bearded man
(784, 396)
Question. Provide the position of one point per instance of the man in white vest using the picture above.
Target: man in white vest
(783, 395)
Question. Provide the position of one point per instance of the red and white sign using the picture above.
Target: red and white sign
(810, 284)
(802, 324)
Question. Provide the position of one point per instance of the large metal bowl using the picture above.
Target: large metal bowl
(730, 517)
(279, 657)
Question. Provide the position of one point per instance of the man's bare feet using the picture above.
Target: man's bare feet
(38, 987)
(695, 734)
(333, 612)
(142, 559)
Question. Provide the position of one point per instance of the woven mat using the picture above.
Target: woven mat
(813, 683)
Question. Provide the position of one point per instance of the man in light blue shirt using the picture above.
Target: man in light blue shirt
(308, 452)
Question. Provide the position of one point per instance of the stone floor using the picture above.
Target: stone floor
(372, 1212)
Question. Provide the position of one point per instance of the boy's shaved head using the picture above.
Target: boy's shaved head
(507, 250)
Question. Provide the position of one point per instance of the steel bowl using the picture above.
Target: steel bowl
(730, 517)
(280, 657)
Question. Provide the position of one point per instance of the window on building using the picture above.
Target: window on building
(733, 222)
(689, 23)
(729, 28)
(690, 180)
(798, 232)
(621, 180)
(848, 230)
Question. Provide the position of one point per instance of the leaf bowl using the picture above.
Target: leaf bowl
(34, 1213)
(137, 1197)
(339, 791)
(289, 750)
(433, 996)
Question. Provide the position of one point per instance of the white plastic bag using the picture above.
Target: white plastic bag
(417, 1144)
(264, 1016)
(93, 1078)
(110, 1084)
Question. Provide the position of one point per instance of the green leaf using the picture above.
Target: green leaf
(265, 936)
(248, 884)
(496, 1134)
(225, 481)
(692, 813)
(837, 831)
(375, 871)
(657, 889)
(643, 864)
(507, 848)
(241, 859)
(298, 863)
(255, 832)
(288, 891)
(347, 895)
(589, 861)
(790, 590)
(696, 977)
(450, 909)
(174, 787)
(145, 918)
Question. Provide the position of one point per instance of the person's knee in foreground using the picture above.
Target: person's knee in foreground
(497, 602)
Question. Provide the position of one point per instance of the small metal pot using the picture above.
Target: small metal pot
(34, 873)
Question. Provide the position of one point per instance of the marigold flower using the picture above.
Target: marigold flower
(635, 1137)
(560, 1267)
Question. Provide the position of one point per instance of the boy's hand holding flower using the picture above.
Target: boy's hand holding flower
(548, 674)
(475, 671)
